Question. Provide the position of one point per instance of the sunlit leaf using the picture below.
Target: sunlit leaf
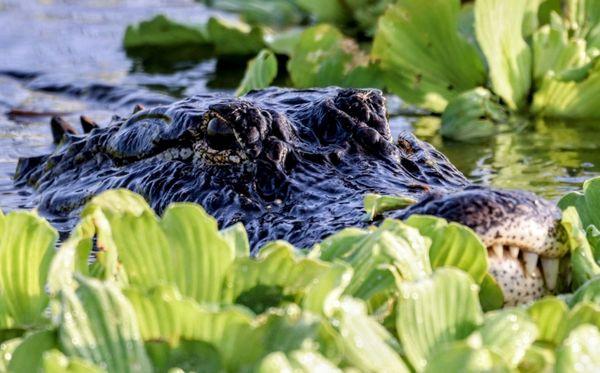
(570, 97)
(452, 245)
(508, 333)
(28, 356)
(368, 346)
(237, 238)
(579, 352)
(435, 311)
(426, 68)
(260, 72)
(296, 361)
(56, 362)
(549, 314)
(376, 204)
(462, 356)
(98, 324)
(26, 249)
(234, 38)
(498, 24)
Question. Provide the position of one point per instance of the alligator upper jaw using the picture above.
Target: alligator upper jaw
(523, 275)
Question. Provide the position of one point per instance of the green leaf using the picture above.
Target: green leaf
(453, 245)
(367, 12)
(324, 293)
(590, 291)
(56, 362)
(426, 65)
(554, 52)
(332, 11)
(491, 296)
(275, 273)
(582, 313)
(435, 311)
(262, 12)
(237, 239)
(234, 38)
(324, 56)
(579, 352)
(498, 25)
(462, 356)
(26, 249)
(583, 265)
(393, 252)
(586, 202)
(260, 72)
(197, 250)
(338, 244)
(571, 98)
(195, 356)
(367, 345)
(509, 334)
(284, 42)
(98, 324)
(28, 356)
(472, 115)
(162, 32)
(376, 204)
(297, 361)
(537, 359)
(549, 314)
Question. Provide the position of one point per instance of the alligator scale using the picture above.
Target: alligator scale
(293, 165)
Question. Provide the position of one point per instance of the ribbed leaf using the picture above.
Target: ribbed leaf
(367, 345)
(435, 311)
(26, 249)
(237, 238)
(509, 334)
(297, 361)
(570, 97)
(426, 60)
(498, 25)
(579, 353)
(98, 324)
(549, 314)
(452, 245)
(260, 72)
(276, 272)
(462, 356)
(325, 291)
(199, 255)
(582, 313)
(590, 291)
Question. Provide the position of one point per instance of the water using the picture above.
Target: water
(45, 44)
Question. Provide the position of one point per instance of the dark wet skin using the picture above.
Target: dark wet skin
(293, 165)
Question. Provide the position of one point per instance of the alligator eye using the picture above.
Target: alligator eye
(219, 134)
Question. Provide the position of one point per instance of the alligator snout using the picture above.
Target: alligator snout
(521, 231)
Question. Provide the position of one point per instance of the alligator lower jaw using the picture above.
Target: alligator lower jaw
(523, 275)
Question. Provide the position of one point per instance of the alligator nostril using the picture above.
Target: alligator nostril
(218, 127)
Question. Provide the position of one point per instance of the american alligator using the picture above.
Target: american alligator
(293, 165)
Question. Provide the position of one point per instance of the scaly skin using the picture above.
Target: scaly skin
(289, 164)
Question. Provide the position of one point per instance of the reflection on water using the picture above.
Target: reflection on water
(77, 43)
(547, 157)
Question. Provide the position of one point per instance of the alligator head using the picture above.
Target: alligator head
(294, 165)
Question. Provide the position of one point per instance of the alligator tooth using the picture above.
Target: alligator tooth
(499, 250)
(550, 267)
(514, 252)
(531, 260)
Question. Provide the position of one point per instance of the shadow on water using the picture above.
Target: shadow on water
(66, 57)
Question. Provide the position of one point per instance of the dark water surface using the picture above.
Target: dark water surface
(65, 56)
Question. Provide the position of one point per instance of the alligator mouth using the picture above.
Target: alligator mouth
(523, 275)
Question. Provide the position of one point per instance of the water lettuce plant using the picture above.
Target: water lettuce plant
(175, 292)
(508, 58)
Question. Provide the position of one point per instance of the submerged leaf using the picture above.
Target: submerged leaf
(260, 72)
(498, 24)
(425, 64)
